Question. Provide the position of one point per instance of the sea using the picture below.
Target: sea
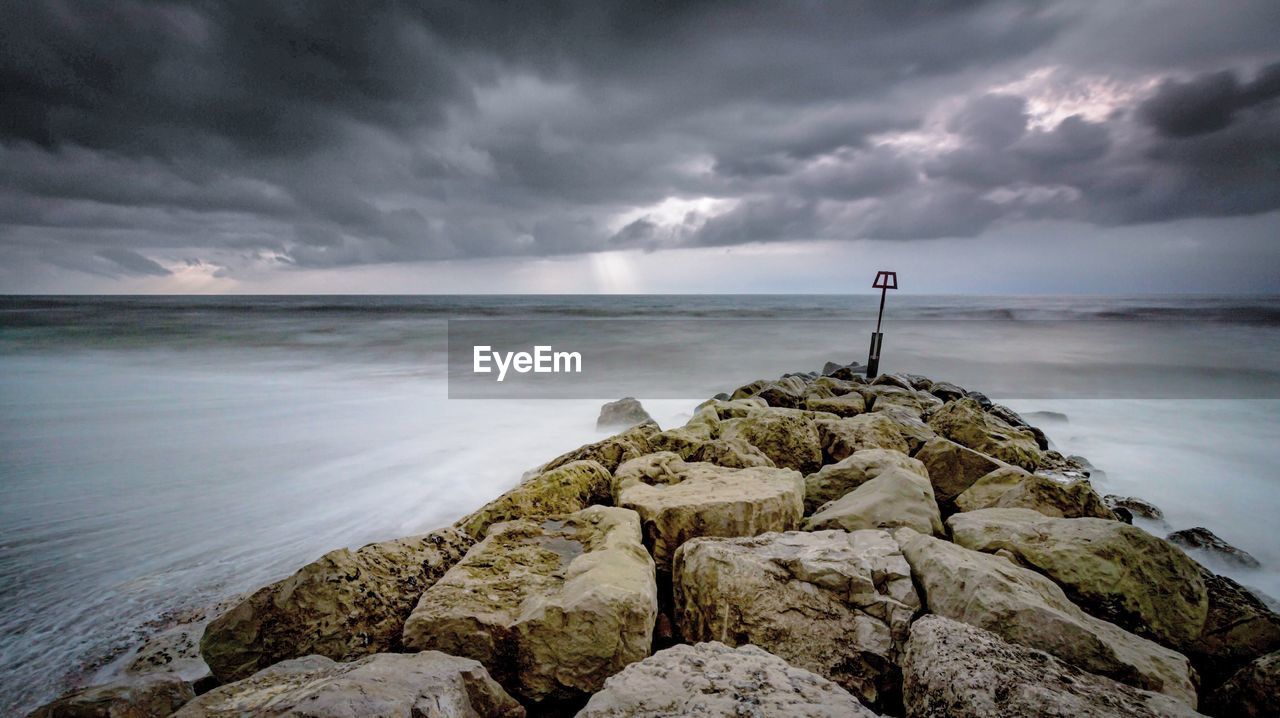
(161, 454)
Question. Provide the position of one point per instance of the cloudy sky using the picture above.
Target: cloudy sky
(588, 146)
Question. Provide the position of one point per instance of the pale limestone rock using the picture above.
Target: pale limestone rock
(385, 685)
(1111, 569)
(964, 422)
(835, 480)
(953, 670)
(344, 605)
(896, 498)
(841, 438)
(550, 608)
(832, 602)
(712, 679)
(954, 468)
(1014, 488)
(678, 500)
(1023, 607)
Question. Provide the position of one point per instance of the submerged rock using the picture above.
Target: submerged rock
(678, 500)
(712, 679)
(344, 605)
(964, 422)
(896, 498)
(835, 480)
(1111, 569)
(1023, 607)
(154, 696)
(564, 489)
(385, 685)
(1203, 539)
(550, 608)
(833, 602)
(953, 670)
(624, 412)
(1253, 692)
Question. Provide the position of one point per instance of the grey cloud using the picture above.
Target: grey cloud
(318, 135)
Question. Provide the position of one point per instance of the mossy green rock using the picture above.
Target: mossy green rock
(1014, 488)
(1023, 607)
(551, 608)
(896, 498)
(611, 451)
(344, 605)
(564, 489)
(841, 438)
(964, 422)
(835, 480)
(680, 500)
(1111, 569)
(789, 437)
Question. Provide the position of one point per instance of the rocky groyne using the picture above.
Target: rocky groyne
(814, 545)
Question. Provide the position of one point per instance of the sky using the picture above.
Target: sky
(602, 146)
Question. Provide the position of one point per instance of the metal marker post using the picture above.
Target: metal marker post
(884, 282)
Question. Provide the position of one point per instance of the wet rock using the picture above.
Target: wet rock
(153, 696)
(679, 500)
(1239, 628)
(896, 498)
(564, 489)
(385, 685)
(1253, 692)
(954, 468)
(1013, 418)
(344, 605)
(1123, 514)
(835, 480)
(1135, 506)
(611, 451)
(789, 437)
(833, 602)
(551, 608)
(1113, 570)
(1023, 607)
(964, 422)
(712, 679)
(624, 412)
(1202, 539)
(953, 670)
(1062, 468)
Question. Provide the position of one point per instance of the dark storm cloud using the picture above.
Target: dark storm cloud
(330, 133)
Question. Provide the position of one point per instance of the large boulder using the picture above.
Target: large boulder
(896, 498)
(1210, 544)
(1111, 569)
(954, 670)
(916, 403)
(344, 605)
(564, 489)
(954, 468)
(964, 422)
(1023, 607)
(678, 500)
(789, 437)
(611, 451)
(946, 391)
(153, 696)
(844, 405)
(1014, 488)
(385, 685)
(1238, 629)
(712, 679)
(841, 438)
(835, 480)
(551, 608)
(624, 412)
(1253, 692)
(833, 602)
(790, 392)
(731, 454)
